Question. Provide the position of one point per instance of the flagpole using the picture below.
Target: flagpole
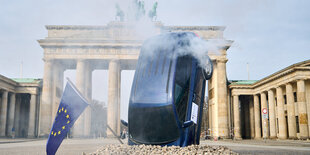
(115, 134)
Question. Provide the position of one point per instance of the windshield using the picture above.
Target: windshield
(152, 125)
(151, 78)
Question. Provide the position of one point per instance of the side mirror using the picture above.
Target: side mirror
(187, 124)
(124, 123)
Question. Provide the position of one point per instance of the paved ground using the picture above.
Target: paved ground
(37, 146)
(264, 147)
(78, 146)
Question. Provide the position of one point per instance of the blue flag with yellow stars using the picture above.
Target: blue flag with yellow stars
(71, 106)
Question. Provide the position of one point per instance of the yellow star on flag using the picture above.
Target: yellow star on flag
(65, 110)
(67, 116)
(59, 111)
(68, 122)
(59, 132)
(63, 127)
(62, 109)
(55, 134)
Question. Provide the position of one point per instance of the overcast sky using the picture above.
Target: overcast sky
(268, 34)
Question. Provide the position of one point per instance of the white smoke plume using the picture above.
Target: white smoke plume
(145, 27)
(189, 44)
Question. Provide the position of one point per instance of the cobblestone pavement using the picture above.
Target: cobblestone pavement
(78, 146)
(158, 150)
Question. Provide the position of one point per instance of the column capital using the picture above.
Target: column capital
(263, 92)
(289, 83)
(278, 87)
(301, 79)
(221, 60)
(298, 79)
(48, 60)
(114, 60)
(81, 60)
(4, 91)
(33, 93)
(59, 67)
(12, 94)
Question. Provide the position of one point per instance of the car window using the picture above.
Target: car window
(181, 87)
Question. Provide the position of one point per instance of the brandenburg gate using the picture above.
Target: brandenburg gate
(115, 47)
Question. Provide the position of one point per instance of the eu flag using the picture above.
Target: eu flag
(71, 106)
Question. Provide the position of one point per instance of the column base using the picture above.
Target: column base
(42, 136)
(273, 137)
(303, 138)
(282, 138)
(293, 138)
(80, 137)
(237, 138)
(223, 138)
(31, 137)
(112, 136)
(258, 138)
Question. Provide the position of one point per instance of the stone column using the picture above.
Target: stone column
(246, 115)
(17, 114)
(292, 134)
(281, 117)
(257, 117)
(252, 118)
(88, 96)
(81, 69)
(237, 125)
(210, 117)
(32, 114)
(212, 105)
(113, 97)
(265, 125)
(57, 87)
(222, 99)
(118, 123)
(11, 114)
(302, 109)
(272, 114)
(3, 114)
(47, 97)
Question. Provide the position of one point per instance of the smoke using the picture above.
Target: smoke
(183, 44)
(136, 15)
(145, 27)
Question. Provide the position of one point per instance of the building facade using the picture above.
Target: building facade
(20, 106)
(277, 106)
